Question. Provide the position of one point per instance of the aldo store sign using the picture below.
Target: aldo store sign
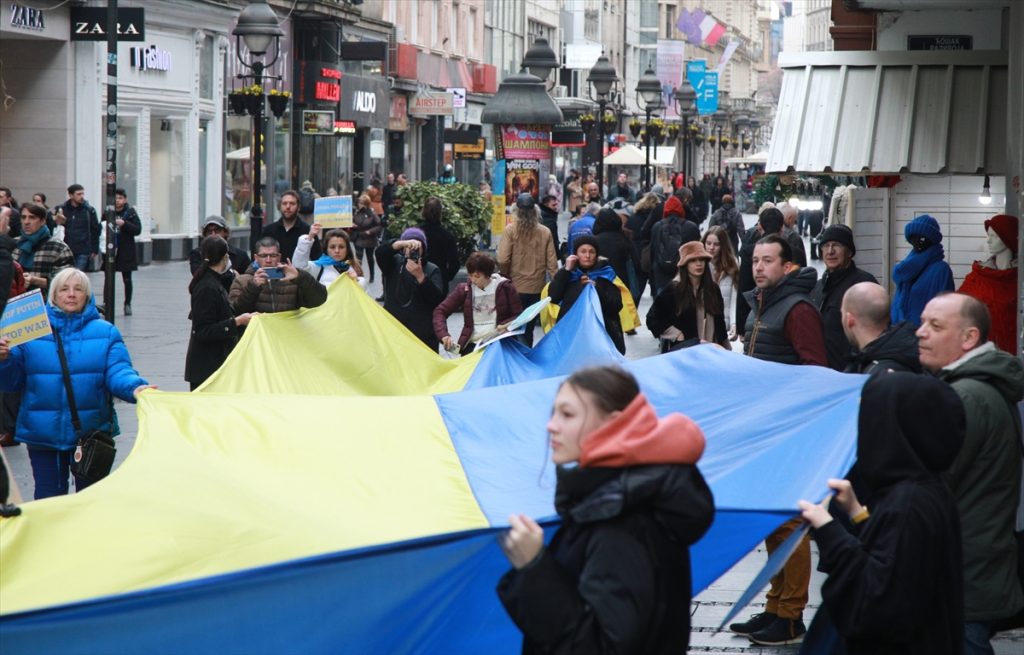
(149, 58)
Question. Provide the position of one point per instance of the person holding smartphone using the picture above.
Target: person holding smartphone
(274, 286)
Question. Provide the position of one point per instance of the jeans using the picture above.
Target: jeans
(50, 470)
(528, 299)
(976, 638)
(82, 262)
(126, 276)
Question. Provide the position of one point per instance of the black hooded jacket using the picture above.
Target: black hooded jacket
(893, 350)
(827, 297)
(549, 219)
(616, 577)
(614, 245)
(895, 584)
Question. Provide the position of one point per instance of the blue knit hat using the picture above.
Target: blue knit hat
(923, 226)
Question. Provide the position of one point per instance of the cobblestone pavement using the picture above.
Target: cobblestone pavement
(157, 337)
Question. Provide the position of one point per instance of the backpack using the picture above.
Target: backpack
(665, 249)
(307, 201)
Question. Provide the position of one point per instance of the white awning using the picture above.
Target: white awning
(756, 158)
(891, 113)
(627, 155)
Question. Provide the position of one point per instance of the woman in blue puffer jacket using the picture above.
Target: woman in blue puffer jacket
(99, 366)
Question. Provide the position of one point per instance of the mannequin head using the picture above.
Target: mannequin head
(995, 243)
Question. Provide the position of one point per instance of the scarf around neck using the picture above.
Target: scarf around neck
(326, 260)
(28, 244)
(914, 263)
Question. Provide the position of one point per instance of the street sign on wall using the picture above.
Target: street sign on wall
(707, 94)
(458, 96)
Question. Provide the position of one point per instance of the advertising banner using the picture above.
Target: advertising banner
(526, 141)
(671, 60)
(333, 211)
(521, 176)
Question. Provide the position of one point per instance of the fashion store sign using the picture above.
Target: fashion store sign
(151, 58)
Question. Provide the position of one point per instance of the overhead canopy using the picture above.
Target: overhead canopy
(756, 158)
(630, 155)
(891, 112)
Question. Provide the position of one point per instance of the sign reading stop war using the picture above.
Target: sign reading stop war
(25, 318)
(333, 211)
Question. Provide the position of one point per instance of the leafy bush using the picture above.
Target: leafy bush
(465, 211)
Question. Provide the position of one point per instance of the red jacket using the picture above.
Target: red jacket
(506, 304)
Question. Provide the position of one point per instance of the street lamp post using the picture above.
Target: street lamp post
(719, 118)
(685, 97)
(648, 90)
(540, 59)
(602, 77)
(259, 29)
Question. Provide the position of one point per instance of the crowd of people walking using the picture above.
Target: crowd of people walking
(921, 543)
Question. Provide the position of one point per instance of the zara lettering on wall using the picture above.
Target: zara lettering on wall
(365, 101)
(28, 18)
(150, 58)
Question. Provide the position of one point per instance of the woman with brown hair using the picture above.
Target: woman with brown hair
(689, 311)
(366, 229)
(615, 578)
(725, 271)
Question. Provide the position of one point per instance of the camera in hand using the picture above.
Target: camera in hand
(273, 272)
(414, 255)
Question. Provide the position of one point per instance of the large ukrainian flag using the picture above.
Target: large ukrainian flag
(277, 522)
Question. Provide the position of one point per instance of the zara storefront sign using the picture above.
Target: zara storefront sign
(28, 18)
(90, 24)
(150, 58)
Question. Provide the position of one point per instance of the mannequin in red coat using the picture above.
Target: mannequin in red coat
(994, 281)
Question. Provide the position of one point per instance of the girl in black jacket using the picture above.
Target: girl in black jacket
(690, 310)
(616, 576)
(214, 325)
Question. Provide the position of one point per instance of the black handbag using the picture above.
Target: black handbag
(95, 450)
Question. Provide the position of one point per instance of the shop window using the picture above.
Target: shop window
(206, 51)
(237, 170)
(167, 175)
(127, 157)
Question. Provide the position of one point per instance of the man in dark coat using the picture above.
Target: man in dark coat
(444, 249)
(287, 229)
(81, 227)
(217, 226)
(792, 234)
(841, 273)
(126, 259)
(895, 583)
(770, 221)
(549, 217)
(985, 478)
(731, 219)
(877, 345)
(613, 243)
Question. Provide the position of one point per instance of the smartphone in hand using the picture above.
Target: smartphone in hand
(273, 272)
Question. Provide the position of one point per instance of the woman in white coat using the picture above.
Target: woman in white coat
(338, 258)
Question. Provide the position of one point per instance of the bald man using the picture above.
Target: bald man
(877, 345)
(789, 233)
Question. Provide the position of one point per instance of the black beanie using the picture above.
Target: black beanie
(840, 234)
(585, 239)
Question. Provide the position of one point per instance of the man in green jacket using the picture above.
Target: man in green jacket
(986, 476)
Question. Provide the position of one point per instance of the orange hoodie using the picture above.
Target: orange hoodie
(637, 436)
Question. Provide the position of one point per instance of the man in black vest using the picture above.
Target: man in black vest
(783, 326)
(837, 249)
